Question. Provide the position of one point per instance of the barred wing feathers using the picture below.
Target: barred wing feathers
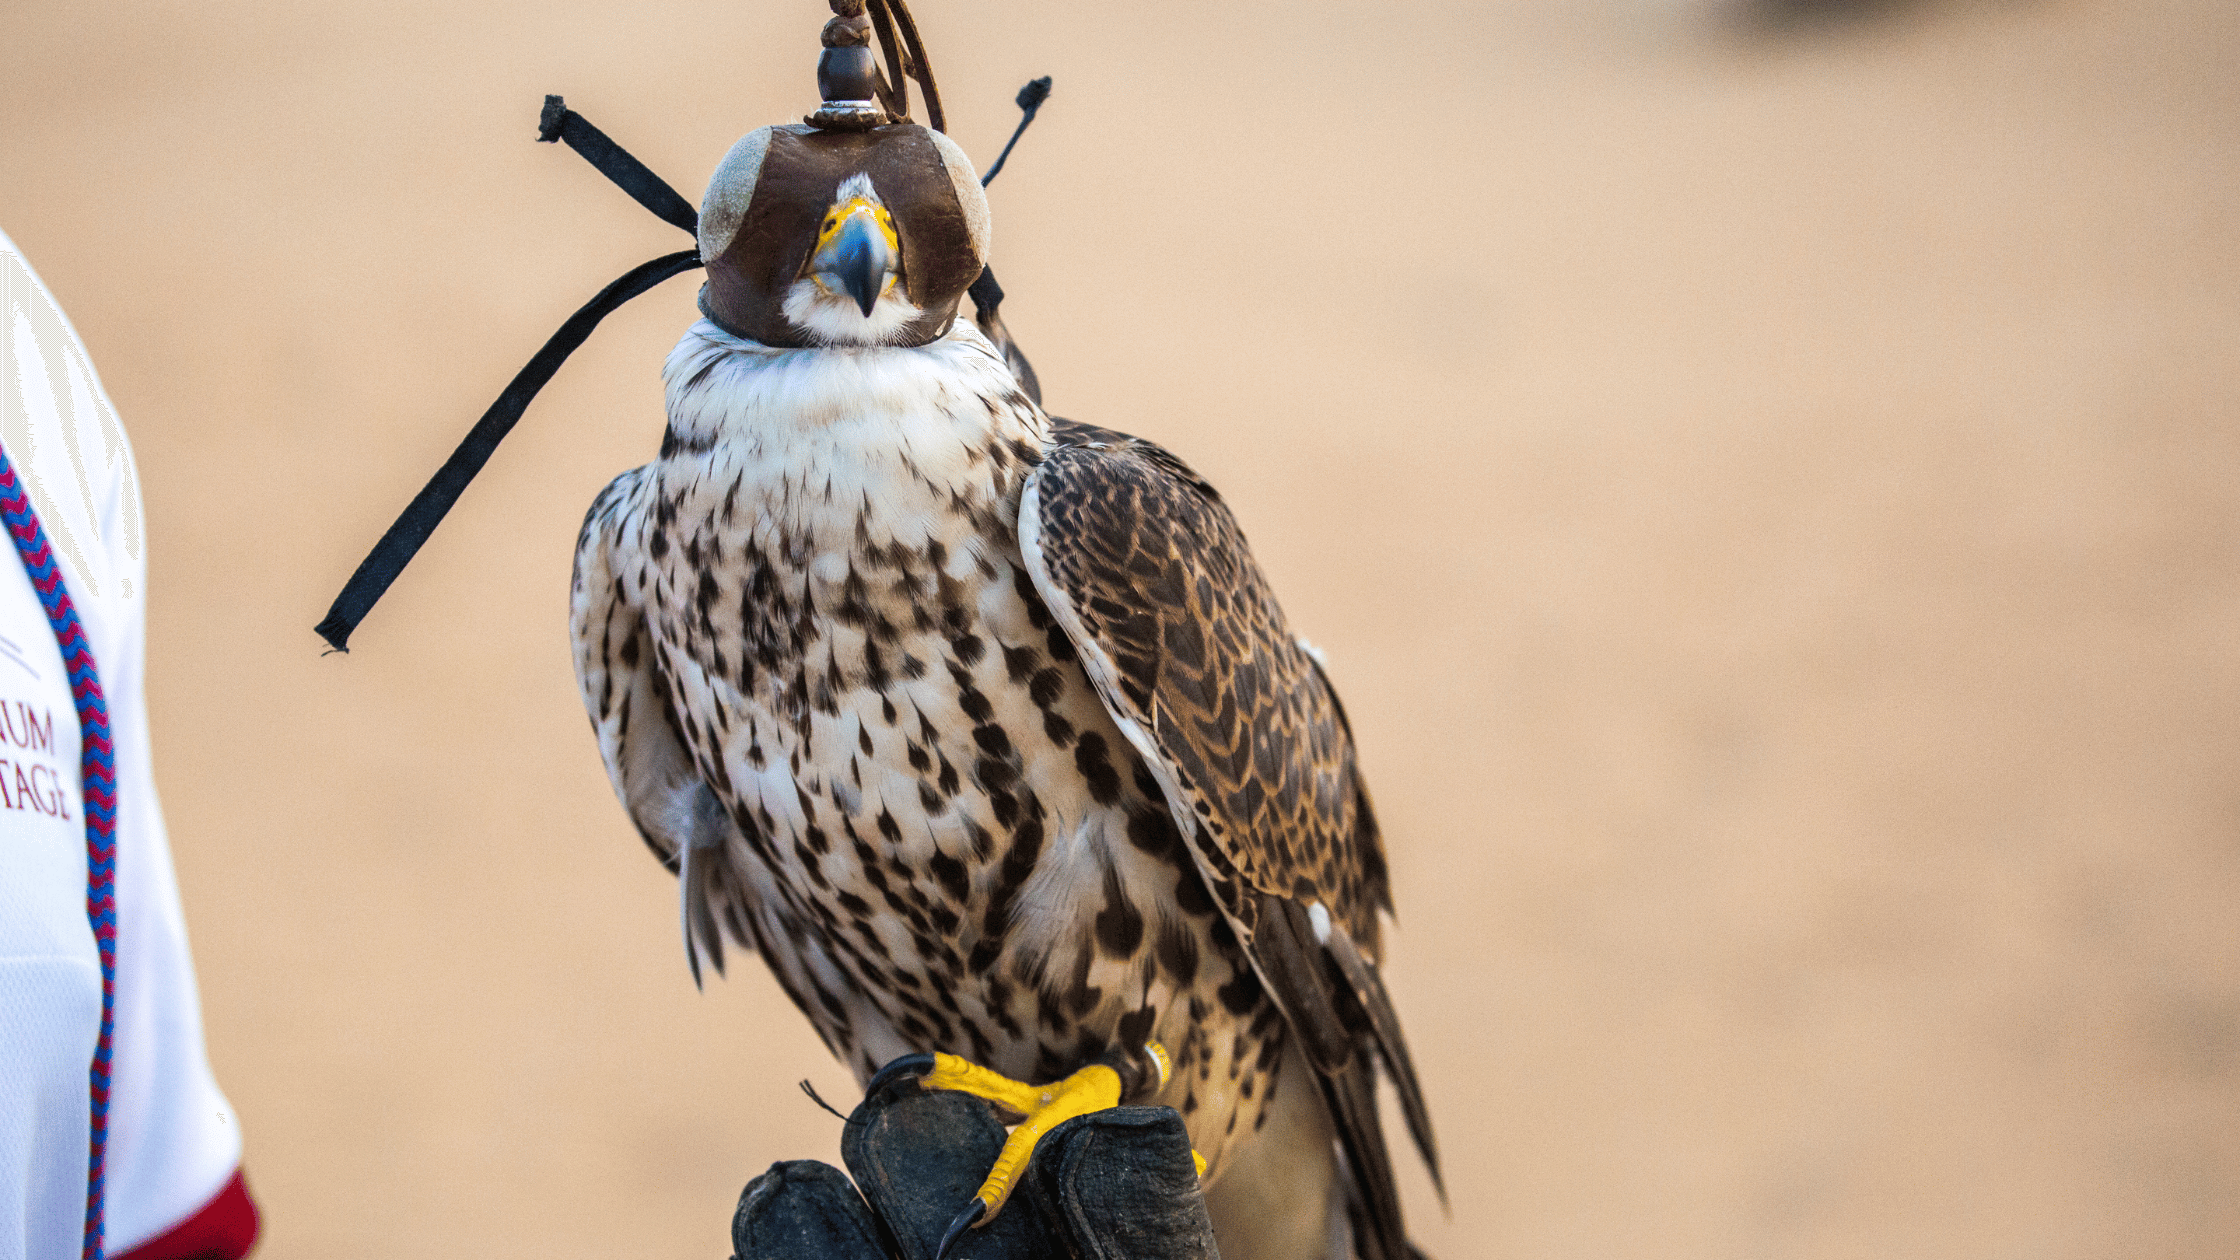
(1146, 569)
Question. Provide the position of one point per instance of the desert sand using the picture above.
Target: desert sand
(1770, 501)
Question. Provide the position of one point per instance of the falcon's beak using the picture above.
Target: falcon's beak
(857, 253)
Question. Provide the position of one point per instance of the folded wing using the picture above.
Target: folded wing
(1146, 569)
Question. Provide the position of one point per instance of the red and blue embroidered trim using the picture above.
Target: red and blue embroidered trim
(98, 770)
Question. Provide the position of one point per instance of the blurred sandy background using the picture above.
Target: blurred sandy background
(1770, 497)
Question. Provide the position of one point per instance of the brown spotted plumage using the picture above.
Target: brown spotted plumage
(984, 730)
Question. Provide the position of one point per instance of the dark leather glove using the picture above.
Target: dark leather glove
(1112, 1185)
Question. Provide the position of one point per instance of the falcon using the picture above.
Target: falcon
(982, 727)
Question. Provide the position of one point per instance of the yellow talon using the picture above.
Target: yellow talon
(1093, 1088)
(967, 1077)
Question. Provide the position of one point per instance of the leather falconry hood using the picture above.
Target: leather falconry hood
(760, 218)
(756, 228)
(759, 222)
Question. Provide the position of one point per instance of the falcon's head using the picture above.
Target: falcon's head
(821, 238)
(848, 293)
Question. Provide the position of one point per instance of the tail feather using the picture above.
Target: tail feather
(1367, 990)
(694, 915)
(706, 885)
(1373, 1203)
(1337, 1008)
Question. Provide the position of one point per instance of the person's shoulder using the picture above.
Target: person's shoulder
(63, 437)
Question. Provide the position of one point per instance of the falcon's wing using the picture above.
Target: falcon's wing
(1143, 565)
(626, 691)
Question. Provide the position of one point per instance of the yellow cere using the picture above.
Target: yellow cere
(839, 215)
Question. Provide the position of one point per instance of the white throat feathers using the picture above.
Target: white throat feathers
(896, 433)
(829, 319)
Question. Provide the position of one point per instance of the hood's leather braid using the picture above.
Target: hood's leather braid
(906, 59)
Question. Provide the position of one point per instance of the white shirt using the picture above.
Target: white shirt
(173, 1143)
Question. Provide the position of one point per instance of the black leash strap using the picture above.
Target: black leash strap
(397, 547)
(558, 123)
(402, 542)
(613, 161)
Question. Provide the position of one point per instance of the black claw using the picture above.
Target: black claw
(966, 1219)
(1139, 1076)
(907, 1065)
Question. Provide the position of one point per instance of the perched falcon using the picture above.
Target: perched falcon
(983, 727)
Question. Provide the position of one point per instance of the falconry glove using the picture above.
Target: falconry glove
(1112, 1185)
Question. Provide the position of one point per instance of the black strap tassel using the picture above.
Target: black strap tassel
(1030, 101)
(402, 542)
(559, 123)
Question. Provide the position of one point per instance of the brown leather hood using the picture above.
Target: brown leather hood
(800, 171)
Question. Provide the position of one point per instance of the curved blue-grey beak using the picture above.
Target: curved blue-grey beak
(857, 261)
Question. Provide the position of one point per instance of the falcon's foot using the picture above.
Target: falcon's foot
(1100, 1085)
